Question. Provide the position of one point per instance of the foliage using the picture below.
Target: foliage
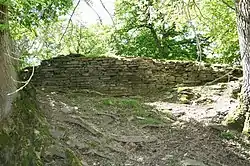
(89, 41)
(125, 103)
(31, 14)
(227, 135)
(27, 18)
(147, 28)
(137, 110)
(165, 29)
(218, 22)
(159, 29)
(28, 15)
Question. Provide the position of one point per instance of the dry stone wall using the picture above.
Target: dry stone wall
(124, 76)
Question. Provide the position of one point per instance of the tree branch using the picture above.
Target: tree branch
(228, 5)
(70, 19)
(2, 12)
(110, 15)
(188, 16)
(99, 17)
(26, 82)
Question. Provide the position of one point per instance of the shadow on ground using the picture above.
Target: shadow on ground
(139, 131)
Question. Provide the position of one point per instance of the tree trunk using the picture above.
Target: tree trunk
(7, 72)
(240, 117)
(157, 41)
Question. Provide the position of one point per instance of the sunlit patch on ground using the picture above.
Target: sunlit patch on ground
(148, 131)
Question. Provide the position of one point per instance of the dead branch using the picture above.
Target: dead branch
(188, 15)
(26, 82)
(70, 19)
(2, 12)
(110, 15)
(199, 10)
(99, 17)
(18, 59)
(217, 79)
(227, 4)
(21, 82)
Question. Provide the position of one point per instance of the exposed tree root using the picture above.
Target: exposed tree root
(89, 127)
(135, 139)
(92, 92)
(93, 152)
(107, 114)
(153, 126)
(115, 149)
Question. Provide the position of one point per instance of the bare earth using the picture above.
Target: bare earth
(144, 131)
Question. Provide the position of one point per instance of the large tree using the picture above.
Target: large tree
(28, 15)
(240, 118)
(6, 66)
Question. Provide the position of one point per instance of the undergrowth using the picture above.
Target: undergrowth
(132, 107)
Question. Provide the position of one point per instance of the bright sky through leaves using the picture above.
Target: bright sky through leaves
(84, 14)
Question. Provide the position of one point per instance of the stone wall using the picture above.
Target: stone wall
(124, 76)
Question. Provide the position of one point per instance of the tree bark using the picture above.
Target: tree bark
(7, 71)
(239, 119)
(157, 41)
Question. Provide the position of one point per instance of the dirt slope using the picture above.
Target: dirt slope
(156, 130)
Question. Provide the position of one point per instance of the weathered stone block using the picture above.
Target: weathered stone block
(124, 75)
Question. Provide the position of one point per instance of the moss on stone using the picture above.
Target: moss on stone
(235, 119)
(184, 99)
(186, 95)
(72, 159)
(24, 135)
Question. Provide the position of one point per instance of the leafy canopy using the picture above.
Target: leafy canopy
(149, 28)
(170, 29)
(217, 20)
